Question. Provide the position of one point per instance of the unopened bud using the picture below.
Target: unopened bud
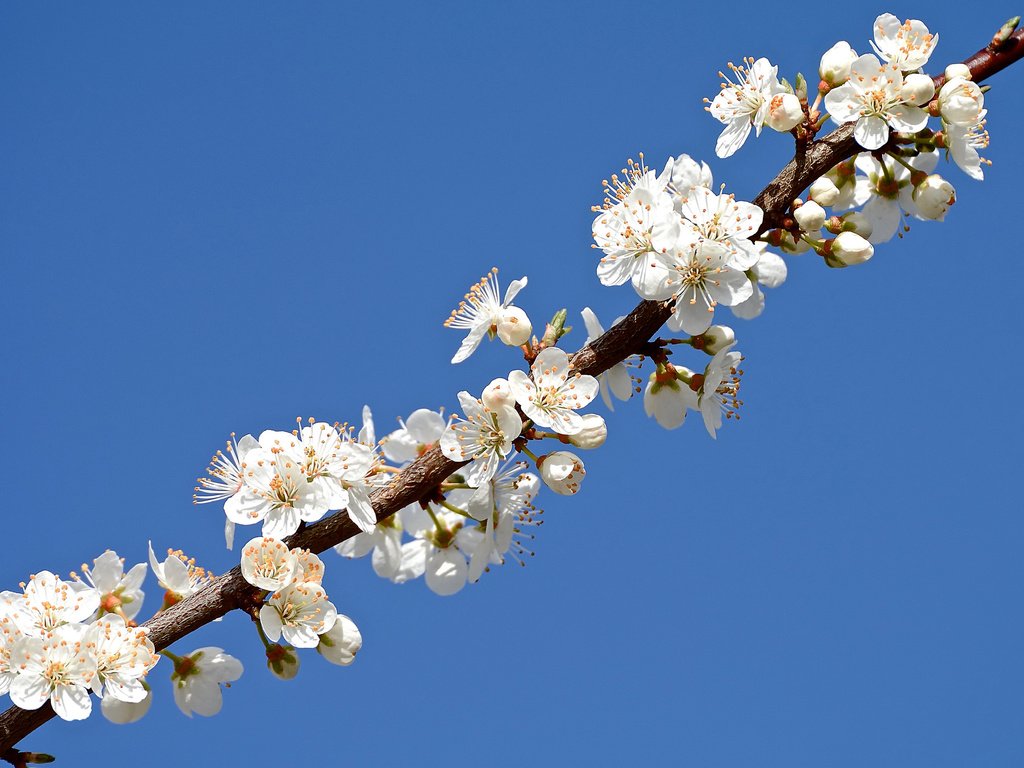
(933, 197)
(1003, 34)
(957, 70)
(824, 191)
(562, 472)
(784, 112)
(790, 244)
(857, 221)
(849, 248)
(714, 339)
(498, 393)
(810, 216)
(282, 661)
(593, 434)
(917, 89)
(835, 64)
(514, 328)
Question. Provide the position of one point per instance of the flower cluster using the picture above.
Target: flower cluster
(61, 641)
(297, 608)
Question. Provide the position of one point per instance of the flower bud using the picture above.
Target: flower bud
(850, 248)
(961, 102)
(933, 197)
(917, 89)
(562, 472)
(857, 221)
(514, 328)
(666, 398)
(282, 661)
(789, 244)
(593, 434)
(341, 644)
(716, 337)
(498, 393)
(824, 191)
(784, 112)
(124, 712)
(958, 70)
(810, 216)
(835, 64)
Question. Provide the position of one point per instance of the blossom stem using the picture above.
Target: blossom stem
(437, 523)
(902, 162)
(263, 635)
(529, 453)
(455, 486)
(452, 508)
(172, 656)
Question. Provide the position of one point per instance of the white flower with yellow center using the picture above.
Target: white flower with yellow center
(310, 568)
(744, 102)
(178, 574)
(552, 397)
(57, 668)
(636, 222)
(415, 436)
(718, 388)
(337, 467)
(385, 543)
(907, 45)
(964, 141)
(49, 602)
(224, 478)
(872, 98)
(123, 656)
(299, 612)
(268, 564)
(120, 592)
(277, 490)
(481, 312)
(701, 278)
(483, 438)
(722, 219)
(10, 634)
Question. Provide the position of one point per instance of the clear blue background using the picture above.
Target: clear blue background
(218, 217)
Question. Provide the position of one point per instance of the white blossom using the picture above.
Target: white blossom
(552, 397)
(907, 45)
(872, 98)
(562, 472)
(514, 327)
(719, 388)
(744, 102)
(933, 197)
(849, 248)
(964, 142)
(225, 478)
(268, 564)
(593, 434)
(421, 430)
(198, 677)
(483, 438)
(961, 102)
(667, 396)
(385, 543)
(340, 644)
(834, 67)
(178, 574)
(49, 602)
(701, 279)
(56, 668)
(299, 612)
(122, 657)
(119, 592)
(481, 311)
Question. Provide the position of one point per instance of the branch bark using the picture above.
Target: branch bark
(230, 591)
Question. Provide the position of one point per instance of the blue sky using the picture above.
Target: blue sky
(219, 217)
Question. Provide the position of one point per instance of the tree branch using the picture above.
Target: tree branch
(230, 591)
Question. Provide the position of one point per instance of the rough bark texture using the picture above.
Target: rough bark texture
(230, 591)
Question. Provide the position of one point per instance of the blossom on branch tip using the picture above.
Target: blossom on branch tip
(961, 102)
(552, 397)
(481, 311)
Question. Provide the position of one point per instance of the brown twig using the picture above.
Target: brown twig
(230, 591)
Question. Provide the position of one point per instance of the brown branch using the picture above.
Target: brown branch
(230, 591)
